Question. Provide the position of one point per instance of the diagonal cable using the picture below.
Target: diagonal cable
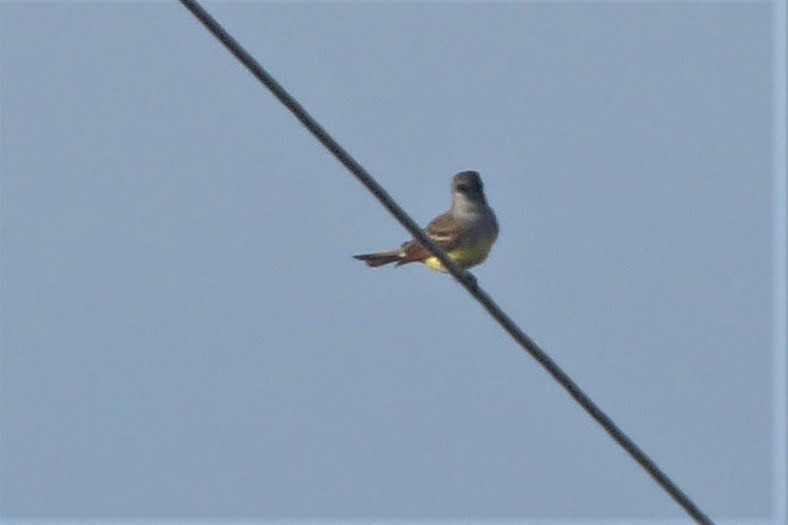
(463, 277)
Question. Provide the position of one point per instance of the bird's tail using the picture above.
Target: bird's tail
(373, 260)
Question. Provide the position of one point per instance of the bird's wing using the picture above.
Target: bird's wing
(442, 230)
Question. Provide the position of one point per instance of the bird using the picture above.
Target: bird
(466, 232)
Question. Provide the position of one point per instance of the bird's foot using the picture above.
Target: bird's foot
(469, 280)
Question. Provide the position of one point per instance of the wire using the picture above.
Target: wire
(464, 278)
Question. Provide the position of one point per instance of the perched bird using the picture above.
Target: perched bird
(466, 232)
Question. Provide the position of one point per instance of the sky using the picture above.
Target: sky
(186, 336)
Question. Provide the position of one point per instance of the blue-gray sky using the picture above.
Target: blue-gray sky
(185, 335)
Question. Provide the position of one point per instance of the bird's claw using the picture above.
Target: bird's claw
(469, 279)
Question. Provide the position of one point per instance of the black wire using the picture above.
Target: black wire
(463, 277)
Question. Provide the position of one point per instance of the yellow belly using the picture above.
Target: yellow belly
(464, 257)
